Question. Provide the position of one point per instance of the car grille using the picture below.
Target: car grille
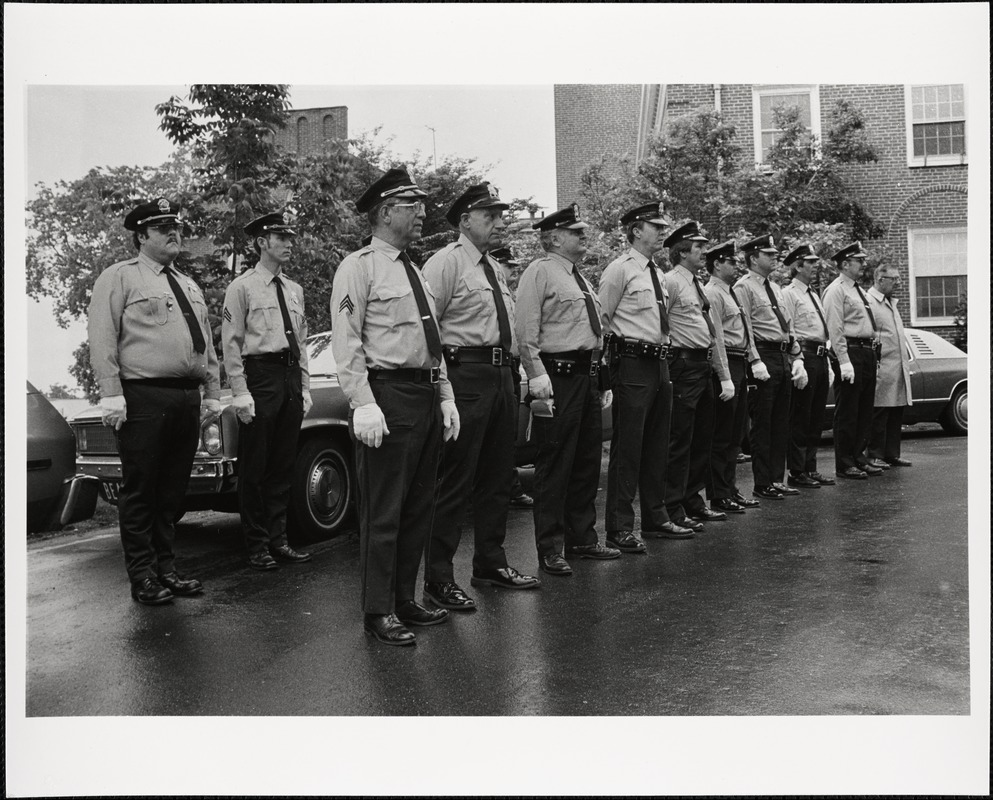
(92, 440)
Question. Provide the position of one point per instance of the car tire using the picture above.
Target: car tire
(955, 417)
(322, 494)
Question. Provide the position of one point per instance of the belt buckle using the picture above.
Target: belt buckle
(821, 350)
(710, 353)
(594, 368)
(434, 374)
(496, 357)
(663, 352)
(783, 347)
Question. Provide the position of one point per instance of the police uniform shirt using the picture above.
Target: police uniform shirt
(846, 316)
(376, 323)
(463, 296)
(551, 312)
(253, 323)
(627, 299)
(801, 304)
(762, 319)
(728, 312)
(687, 325)
(137, 330)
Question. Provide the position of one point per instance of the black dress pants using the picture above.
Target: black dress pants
(156, 444)
(567, 466)
(396, 483)
(853, 408)
(476, 467)
(639, 447)
(690, 437)
(730, 417)
(806, 415)
(267, 447)
(884, 436)
(770, 429)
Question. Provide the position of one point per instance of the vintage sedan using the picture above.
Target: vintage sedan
(323, 493)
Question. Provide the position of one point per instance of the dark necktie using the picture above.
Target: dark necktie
(705, 304)
(741, 313)
(663, 314)
(503, 321)
(817, 308)
(775, 306)
(590, 305)
(184, 304)
(287, 325)
(865, 302)
(430, 326)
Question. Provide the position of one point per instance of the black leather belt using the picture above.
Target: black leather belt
(690, 353)
(781, 347)
(284, 357)
(406, 375)
(496, 356)
(636, 348)
(813, 347)
(854, 341)
(571, 362)
(736, 352)
(163, 383)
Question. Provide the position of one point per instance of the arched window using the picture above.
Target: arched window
(303, 134)
(329, 127)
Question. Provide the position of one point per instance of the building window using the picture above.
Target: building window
(765, 99)
(303, 135)
(329, 129)
(935, 124)
(937, 274)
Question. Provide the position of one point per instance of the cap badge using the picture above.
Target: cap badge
(163, 205)
(286, 218)
(492, 190)
(661, 209)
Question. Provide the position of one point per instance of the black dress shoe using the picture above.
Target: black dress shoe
(522, 501)
(746, 502)
(388, 629)
(181, 587)
(692, 524)
(823, 480)
(853, 472)
(413, 613)
(150, 592)
(898, 462)
(707, 515)
(804, 480)
(596, 551)
(449, 595)
(878, 463)
(868, 469)
(727, 505)
(507, 577)
(262, 562)
(288, 555)
(768, 492)
(626, 542)
(669, 530)
(783, 489)
(555, 564)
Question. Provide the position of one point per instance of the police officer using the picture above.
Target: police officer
(730, 415)
(892, 375)
(777, 364)
(385, 341)
(475, 314)
(634, 315)
(697, 350)
(807, 404)
(151, 351)
(853, 333)
(264, 334)
(559, 334)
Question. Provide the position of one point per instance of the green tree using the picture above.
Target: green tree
(59, 391)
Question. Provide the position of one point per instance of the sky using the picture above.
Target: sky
(53, 134)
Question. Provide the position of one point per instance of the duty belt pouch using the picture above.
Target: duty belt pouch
(603, 382)
(451, 355)
(562, 367)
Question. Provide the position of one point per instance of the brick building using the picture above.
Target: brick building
(917, 189)
(307, 129)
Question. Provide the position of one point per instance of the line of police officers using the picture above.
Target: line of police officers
(431, 359)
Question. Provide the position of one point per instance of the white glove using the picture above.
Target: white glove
(210, 410)
(308, 401)
(606, 398)
(727, 390)
(370, 425)
(450, 417)
(848, 372)
(830, 374)
(114, 411)
(540, 387)
(760, 371)
(799, 374)
(244, 407)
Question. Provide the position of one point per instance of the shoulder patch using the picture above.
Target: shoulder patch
(346, 305)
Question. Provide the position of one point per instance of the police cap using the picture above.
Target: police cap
(152, 213)
(854, 250)
(650, 212)
(504, 256)
(567, 218)
(688, 232)
(720, 251)
(277, 222)
(393, 183)
(802, 253)
(482, 195)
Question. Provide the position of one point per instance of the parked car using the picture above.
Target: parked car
(938, 383)
(57, 494)
(323, 492)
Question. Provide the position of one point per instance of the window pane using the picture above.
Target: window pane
(939, 138)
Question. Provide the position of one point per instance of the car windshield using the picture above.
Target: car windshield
(319, 353)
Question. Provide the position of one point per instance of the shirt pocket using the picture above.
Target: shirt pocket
(263, 314)
(397, 303)
(645, 299)
(475, 293)
(148, 307)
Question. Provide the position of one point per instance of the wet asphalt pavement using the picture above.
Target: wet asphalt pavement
(847, 600)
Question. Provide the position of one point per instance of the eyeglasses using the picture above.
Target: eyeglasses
(417, 205)
(167, 227)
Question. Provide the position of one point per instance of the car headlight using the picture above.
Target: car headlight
(210, 438)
